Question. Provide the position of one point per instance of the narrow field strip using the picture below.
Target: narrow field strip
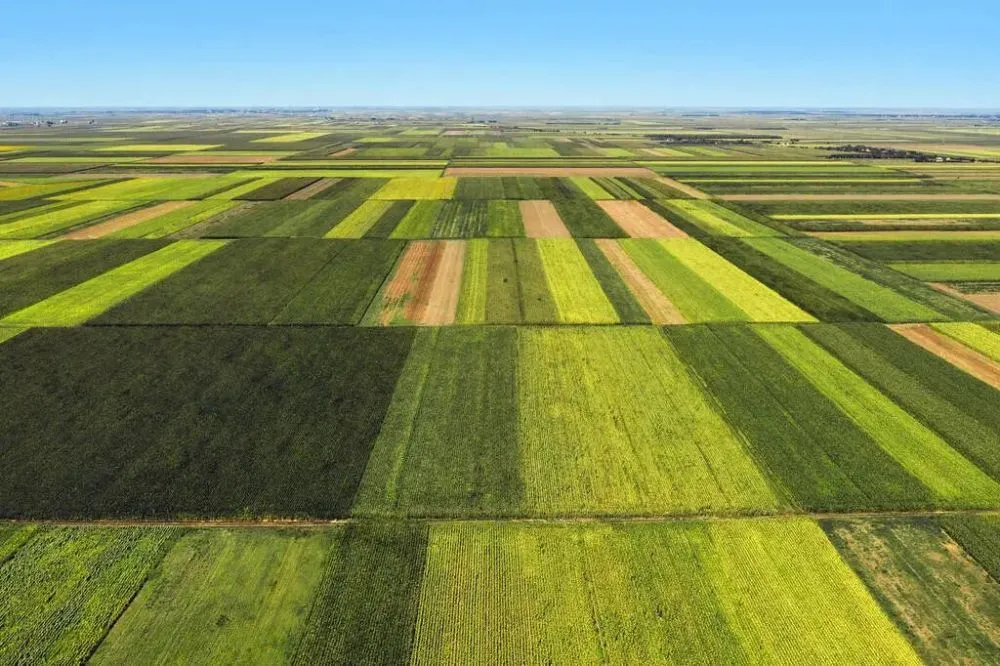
(13, 248)
(957, 196)
(63, 218)
(658, 307)
(984, 340)
(989, 301)
(880, 300)
(692, 192)
(8, 333)
(577, 294)
(716, 219)
(949, 271)
(952, 477)
(91, 298)
(910, 235)
(176, 221)
(120, 222)
(757, 301)
(952, 350)
(360, 221)
(309, 191)
(541, 220)
(639, 221)
(475, 280)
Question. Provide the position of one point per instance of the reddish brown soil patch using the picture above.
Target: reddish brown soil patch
(639, 221)
(443, 299)
(974, 363)
(407, 295)
(860, 197)
(312, 189)
(127, 220)
(555, 172)
(987, 300)
(657, 306)
(681, 187)
(541, 220)
(344, 152)
(212, 159)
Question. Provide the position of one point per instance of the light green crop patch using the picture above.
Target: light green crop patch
(760, 303)
(63, 218)
(291, 137)
(418, 188)
(363, 218)
(947, 271)
(878, 299)
(223, 596)
(951, 476)
(13, 248)
(577, 293)
(159, 148)
(591, 189)
(717, 219)
(977, 337)
(611, 422)
(88, 299)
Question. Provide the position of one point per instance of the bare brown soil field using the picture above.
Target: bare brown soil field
(553, 172)
(681, 187)
(408, 293)
(344, 152)
(639, 221)
(657, 306)
(954, 352)
(312, 189)
(988, 300)
(212, 159)
(127, 220)
(859, 197)
(443, 299)
(541, 220)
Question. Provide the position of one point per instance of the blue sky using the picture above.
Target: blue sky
(840, 53)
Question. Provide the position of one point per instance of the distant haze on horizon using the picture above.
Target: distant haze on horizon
(849, 55)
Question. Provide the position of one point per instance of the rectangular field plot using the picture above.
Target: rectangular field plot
(694, 593)
(64, 587)
(30, 277)
(947, 605)
(224, 596)
(610, 421)
(53, 221)
(159, 189)
(248, 281)
(228, 421)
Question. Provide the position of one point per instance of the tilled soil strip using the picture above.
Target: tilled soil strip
(125, 221)
(859, 197)
(344, 152)
(541, 220)
(657, 306)
(988, 300)
(404, 281)
(681, 187)
(312, 189)
(969, 360)
(415, 308)
(638, 221)
(442, 302)
(552, 172)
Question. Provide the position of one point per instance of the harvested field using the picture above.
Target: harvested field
(657, 306)
(986, 300)
(310, 190)
(425, 287)
(692, 192)
(126, 221)
(639, 221)
(541, 220)
(554, 172)
(976, 364)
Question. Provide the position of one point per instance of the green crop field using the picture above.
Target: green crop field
(435, 387)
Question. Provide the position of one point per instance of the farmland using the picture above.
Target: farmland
(604, 389)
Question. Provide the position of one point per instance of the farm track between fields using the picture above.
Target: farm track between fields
(565, 520)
